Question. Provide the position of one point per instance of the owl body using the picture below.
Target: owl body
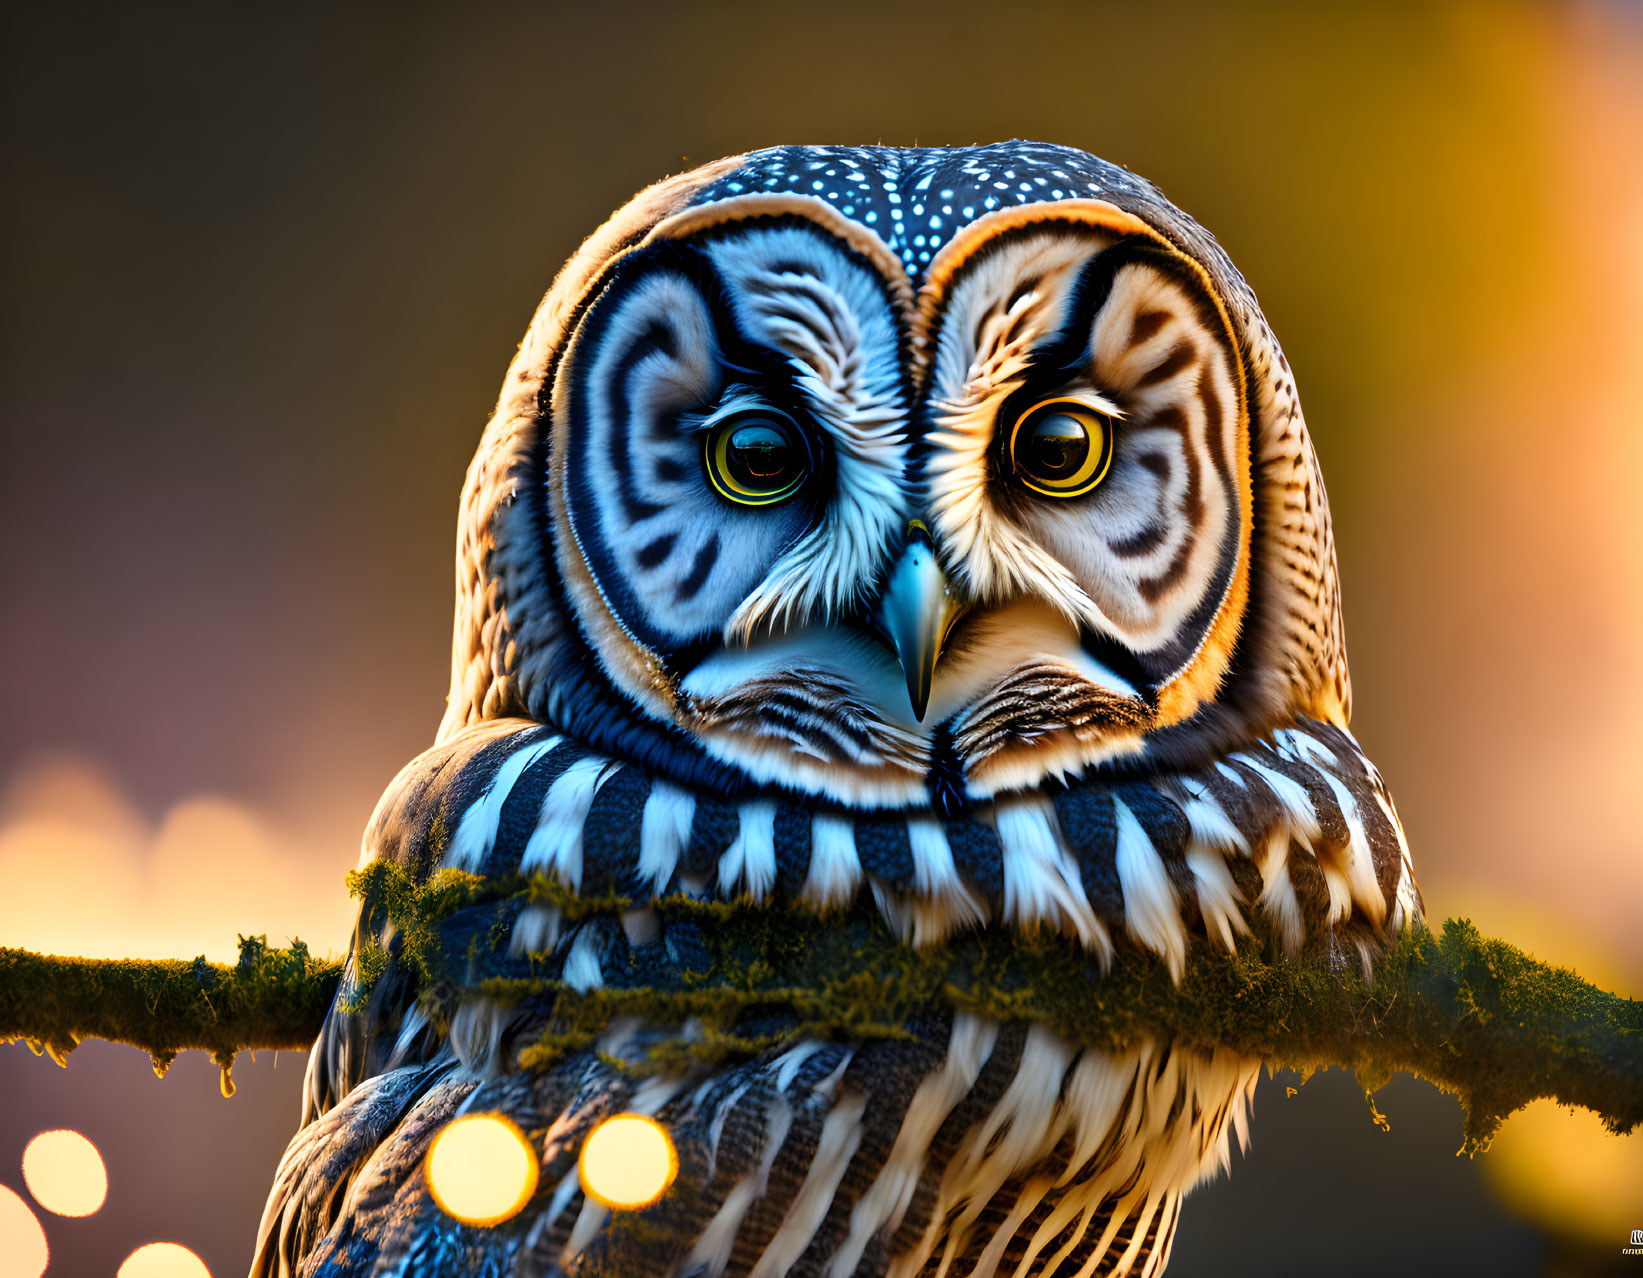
(929, 535)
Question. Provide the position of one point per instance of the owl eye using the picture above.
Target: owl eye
(1061, 447)
(756, 457)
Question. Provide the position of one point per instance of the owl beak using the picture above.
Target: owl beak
(916, 611)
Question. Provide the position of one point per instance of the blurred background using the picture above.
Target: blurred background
(263, 271)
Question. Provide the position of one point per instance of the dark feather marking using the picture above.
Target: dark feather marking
(1157, 463)
(1268, 810)
(793, 1160)
(944, 776)
(654, 552)
(1310, 889)
(610, 836)
(1192, 506)
(800, 710)
(996, 1075)
(418, 823)
(1330, 819)
(813, 708)
(1365, 787)
(700, 567)
(713, 829)
(979, 857)
(1087, 821)
(883, 848)
(806, 734)
(523, 807)
(1183, 355)
(1039, 698)
(887, 1074)
(1383, 841)
(793, 266)
(1248, 818)
(1214, 438)
(1026, 285)
(740, 1144)
(1147, 324)
(656, 339)
(792, 839)
(1142, 543)
(1169, 417)
(1168, 829)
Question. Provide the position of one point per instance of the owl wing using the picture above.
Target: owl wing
(957, 1150)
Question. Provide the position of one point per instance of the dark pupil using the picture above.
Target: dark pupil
(1057, 446)
(760, 456)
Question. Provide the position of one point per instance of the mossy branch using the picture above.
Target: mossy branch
(271, 999)
(1473, 1015)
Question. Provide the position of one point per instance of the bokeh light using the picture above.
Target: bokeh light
(1556, 1166)
(482, 1169)
(154, 889)
(163, 1260)
(627, 1161)
(1563, 1169)
(23, 1250)
(65, 1173)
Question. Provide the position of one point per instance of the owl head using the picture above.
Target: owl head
(898, 479)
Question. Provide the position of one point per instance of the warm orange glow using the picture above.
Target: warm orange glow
(65, 1173)
(145, 890)
(163, 1260)
(627, 1161)
(481, 1169)
(22, 1241)
(1561, 1168)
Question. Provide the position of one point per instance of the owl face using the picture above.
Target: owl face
(831, 562)
(811, 499)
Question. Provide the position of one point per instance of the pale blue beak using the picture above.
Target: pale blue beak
(916, 611)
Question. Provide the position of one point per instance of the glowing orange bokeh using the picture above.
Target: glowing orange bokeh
(481, 1169)
(163, 1260)
(627, 1161)
(22, 1241)
(65, 1173)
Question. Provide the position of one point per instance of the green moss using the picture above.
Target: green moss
(1473, 1015)
(271, 998)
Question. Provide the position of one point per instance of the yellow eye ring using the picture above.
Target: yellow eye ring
(1061, 447)
(756, 457)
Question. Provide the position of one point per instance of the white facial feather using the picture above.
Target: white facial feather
(830, 317)
(1136, 558)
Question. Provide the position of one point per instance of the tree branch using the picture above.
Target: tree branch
(271, 999)
(1473, 1015)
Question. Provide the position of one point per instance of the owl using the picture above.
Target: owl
(925, 534)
